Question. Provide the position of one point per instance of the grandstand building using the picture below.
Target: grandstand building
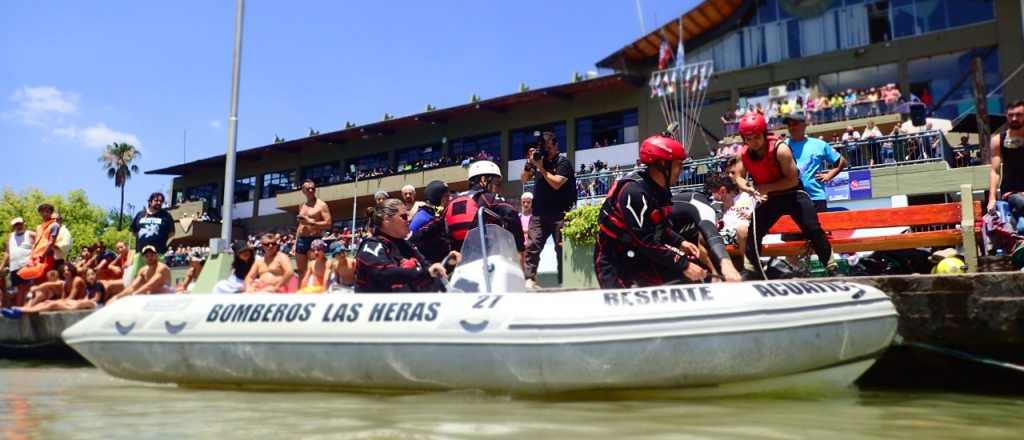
(764, 52)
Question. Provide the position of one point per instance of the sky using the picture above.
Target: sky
(78, 75)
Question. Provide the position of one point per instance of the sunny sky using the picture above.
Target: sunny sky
(78, 75)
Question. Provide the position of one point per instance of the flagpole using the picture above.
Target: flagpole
(229, 158)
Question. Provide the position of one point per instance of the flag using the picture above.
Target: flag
(680, 53)
(664, 55)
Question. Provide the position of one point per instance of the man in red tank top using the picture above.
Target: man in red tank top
(778, 191)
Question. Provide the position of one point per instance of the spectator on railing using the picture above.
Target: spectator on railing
(890, 97)
(963, 154)
(871, 132)
(810, 107)
(850, 101)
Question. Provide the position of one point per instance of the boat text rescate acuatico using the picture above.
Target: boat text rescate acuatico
(724, 337)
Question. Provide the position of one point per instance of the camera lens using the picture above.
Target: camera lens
(536, 155)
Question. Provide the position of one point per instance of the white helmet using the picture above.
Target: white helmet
(483, 168)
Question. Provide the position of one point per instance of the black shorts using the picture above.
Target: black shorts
(302, 244)
(18, 281)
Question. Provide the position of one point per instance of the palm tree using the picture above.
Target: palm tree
(117, 160)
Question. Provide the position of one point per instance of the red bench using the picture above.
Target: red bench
(954, 218)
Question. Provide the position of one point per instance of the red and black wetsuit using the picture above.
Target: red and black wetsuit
(635, 223)
(460, 216)
(387, 264)
(794, 202)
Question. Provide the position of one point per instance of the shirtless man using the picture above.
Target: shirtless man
(272, 272)
(314, 216)
(111, 271)
(153, 278)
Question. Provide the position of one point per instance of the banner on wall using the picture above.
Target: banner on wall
(849, 185)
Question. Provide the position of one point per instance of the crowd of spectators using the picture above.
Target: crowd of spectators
(823, 108)
(409, 167)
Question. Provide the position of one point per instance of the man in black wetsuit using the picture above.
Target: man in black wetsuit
(636, 245)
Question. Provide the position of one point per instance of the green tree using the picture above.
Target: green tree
(87, 222)
(118, 159)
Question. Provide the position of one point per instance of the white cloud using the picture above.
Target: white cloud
(33, 105)
(96, 136)
(215, 123)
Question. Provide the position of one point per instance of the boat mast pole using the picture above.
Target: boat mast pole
(229, 158)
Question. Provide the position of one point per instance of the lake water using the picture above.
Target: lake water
(39, 401)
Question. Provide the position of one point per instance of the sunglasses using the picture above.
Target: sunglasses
(270, 243)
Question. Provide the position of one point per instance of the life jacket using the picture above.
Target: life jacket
(763, 170)
(40, 261)
(460, 215)
(612, 223)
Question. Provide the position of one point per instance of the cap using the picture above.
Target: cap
(336, 248)
(240, 246)
(108, 255)
(197, 257)
(17, 220)
(435, 191)
(526, 196)
(318, 245)
(148, 248)
(383, 194)
(794, 117)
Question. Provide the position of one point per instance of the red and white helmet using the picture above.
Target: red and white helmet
(752, 123)
(658, 147)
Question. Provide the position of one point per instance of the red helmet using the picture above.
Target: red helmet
(752, 123)
(658, 147)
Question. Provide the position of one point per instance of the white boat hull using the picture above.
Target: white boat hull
(725, 337)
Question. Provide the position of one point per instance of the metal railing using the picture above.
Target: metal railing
(827, 115)
(885, 151)
(895, 150)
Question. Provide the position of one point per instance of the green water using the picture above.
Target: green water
(83, 403)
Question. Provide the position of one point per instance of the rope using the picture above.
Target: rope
(960, 354)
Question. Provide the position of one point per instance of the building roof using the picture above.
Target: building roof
(696, 22)
(500, 104)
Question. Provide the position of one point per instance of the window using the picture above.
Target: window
(878, 22)
(859, 79)
(323, 174)
(767, 11)
(471, 146)
(607, 129)
(931, 15)
(933, 78)
(245, 189)
(523, 138)
(424, 153)
(370, 162)
(903, 18)
(964, 12)
(206, 193)
(276, 182)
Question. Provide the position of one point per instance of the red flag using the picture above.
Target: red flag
(664, 55)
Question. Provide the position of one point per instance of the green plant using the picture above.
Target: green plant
(581, 225)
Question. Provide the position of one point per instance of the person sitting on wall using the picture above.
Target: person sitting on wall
(153, 278)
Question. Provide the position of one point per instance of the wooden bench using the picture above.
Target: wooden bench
(839, 224)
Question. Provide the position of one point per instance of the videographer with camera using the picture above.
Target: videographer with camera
(554, 194)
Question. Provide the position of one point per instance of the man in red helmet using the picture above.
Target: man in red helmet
(778, 191)
(636, 245)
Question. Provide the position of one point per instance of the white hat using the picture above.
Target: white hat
(483, 168)
(17, 220)
(527, 196)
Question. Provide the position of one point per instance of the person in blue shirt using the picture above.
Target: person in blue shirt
(437, 197)
(813, 157)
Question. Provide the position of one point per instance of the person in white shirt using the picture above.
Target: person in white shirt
(19, 248)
